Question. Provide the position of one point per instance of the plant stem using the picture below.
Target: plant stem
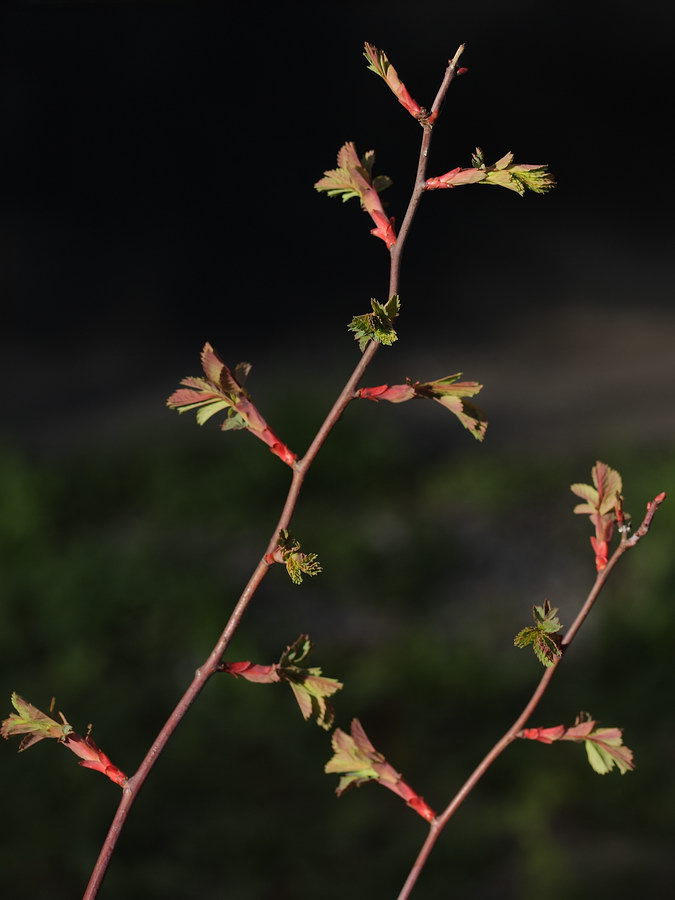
(439, 823)
(210, 666)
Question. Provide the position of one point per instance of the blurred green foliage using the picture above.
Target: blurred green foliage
(119, 570)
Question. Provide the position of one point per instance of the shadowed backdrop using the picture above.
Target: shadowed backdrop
(158, 165)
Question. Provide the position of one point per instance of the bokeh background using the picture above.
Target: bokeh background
(157, 169)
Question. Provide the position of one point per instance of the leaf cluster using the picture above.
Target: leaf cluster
(377, 325)
(543, 635)
(297, 563)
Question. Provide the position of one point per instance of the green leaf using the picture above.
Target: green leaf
(605, 750)
(541, 636)
(297, 563)
(377, 325)
(353, 177)
(309, 686)
(33, 724)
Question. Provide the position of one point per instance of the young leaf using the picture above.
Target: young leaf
(379, 63)
(297, 563)
(377, 325)
(447, 391)
(542, 636)
(604, 746)
(36, 725)
(353, 178)
(357, 761)
(221, 391)
(604, 506)
(516, 177)
(33, 724)
(310, 688)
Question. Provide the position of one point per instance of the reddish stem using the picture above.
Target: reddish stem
(511, 734)
(210, 666)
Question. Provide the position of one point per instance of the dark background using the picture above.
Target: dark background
(157, 169)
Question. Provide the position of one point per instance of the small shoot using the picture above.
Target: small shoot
(297, 563)
(378, 62)
(517, 177)
(357, 761)
(223, 391)
(449, 392)
(377, 325)
(354, 178)
(543, 636)
(603, 504)
(35, 726)
(604, 745)
(310, 688)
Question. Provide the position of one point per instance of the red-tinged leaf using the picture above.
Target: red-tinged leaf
(31, 722)
(588, 493)
(543, 735)
(384, 228)
(358, 761)
(251, 672)
(601, 550)
(379, 63)
(609, 486)
(422, 808)
(580, 730)
(450, 386)
(310, 691)
(604, 746)
(353, 178)
(184, 399)
(91, 757)
(394, 393)
(284, 454)
(455, 178)
(605, 750)
(472, 418)
(211, 363)
(220, 391)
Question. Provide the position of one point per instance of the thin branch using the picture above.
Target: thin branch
(420, 176)
(511, 734)
(301, 467)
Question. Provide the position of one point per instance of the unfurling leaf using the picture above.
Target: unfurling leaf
(222, 391)
(310, 688)
(379, 63)
(448, 391)
(354, 178)
(377, 325)
(288, 552)
(604, 746)
(603, 504)
(36, 725)
(357, 761)
(543, 635)
(514, 176)
(31, 722)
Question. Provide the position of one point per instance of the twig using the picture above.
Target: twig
(301, 467)
(439, 823)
